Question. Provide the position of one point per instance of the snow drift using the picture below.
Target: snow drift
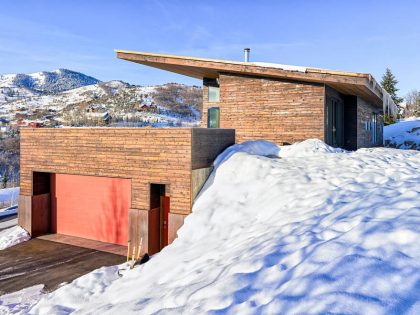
(404, 134)
(13, 236)
(330, 232)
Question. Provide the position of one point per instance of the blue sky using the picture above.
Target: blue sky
(363, 36)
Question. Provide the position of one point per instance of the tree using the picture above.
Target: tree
(412, 104)
(389, 83)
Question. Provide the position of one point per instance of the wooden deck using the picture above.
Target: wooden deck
(49, 263)
(86, 243)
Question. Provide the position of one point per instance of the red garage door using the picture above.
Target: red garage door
(91, 207)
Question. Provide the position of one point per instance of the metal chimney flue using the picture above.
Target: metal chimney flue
(246, 54)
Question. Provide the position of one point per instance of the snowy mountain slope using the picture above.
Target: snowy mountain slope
(47, 82)
(323, 232)
(68, 98)
(24, 87)
(81, 94)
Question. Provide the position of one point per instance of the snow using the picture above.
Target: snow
(9, 195)
(13, 236)
(8, 223)
(404, 134)
(389, 106)
(280, 66)
(7, 212)
(323, 231)
(20, 301)
(308, 148)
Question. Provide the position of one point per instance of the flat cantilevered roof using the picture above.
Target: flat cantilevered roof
(349, 83)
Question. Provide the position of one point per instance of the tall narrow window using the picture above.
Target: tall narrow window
(213, 117)
(214, 94)
(374, 128)
(213, 89)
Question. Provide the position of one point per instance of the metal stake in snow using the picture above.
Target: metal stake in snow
(128, 250)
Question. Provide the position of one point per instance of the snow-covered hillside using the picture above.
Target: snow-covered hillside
(47, 82)
(404, 134)
(69, 98)
(303, 229)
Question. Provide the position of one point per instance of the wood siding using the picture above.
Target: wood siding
(143, 155)
(146, 156)
(276, 110)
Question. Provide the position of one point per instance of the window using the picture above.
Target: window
(374, 128)
(214, 94)
(213, 89)
(213, 117)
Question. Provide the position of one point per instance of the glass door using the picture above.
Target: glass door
(334, 122)
(213, 117)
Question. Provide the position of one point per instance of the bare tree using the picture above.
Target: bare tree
(412, 104)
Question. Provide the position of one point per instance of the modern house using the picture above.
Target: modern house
(282, 103)
(114, 184)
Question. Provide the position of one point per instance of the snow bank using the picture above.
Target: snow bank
(9, 195)
(94, 283)
(404, 134)
(254, 147)
(327, 233)
(20, 301)
(13, 236)
(308, 148)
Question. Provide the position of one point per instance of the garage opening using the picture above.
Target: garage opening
(90, 207)
(41, 203)
(158, 218)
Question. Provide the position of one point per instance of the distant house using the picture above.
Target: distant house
(103, 117)
(282, 103)
(20, 123)
(20, 116)
(144, 108)
(35, 124)
(148, 107)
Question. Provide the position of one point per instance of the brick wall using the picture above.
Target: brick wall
(364, 113)
(271, 109)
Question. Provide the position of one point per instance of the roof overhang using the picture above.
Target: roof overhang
(348, 83)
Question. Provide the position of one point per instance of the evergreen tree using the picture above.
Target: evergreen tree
(389, 83)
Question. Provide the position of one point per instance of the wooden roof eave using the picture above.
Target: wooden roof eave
(200, 68)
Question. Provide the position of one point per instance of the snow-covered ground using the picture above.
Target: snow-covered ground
(404, 134)
(304, 229)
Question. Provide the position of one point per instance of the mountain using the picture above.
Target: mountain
(67, 98)
(47, 82)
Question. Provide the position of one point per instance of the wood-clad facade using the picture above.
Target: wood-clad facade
(145, 156)
(276, 110)
(265, 101)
